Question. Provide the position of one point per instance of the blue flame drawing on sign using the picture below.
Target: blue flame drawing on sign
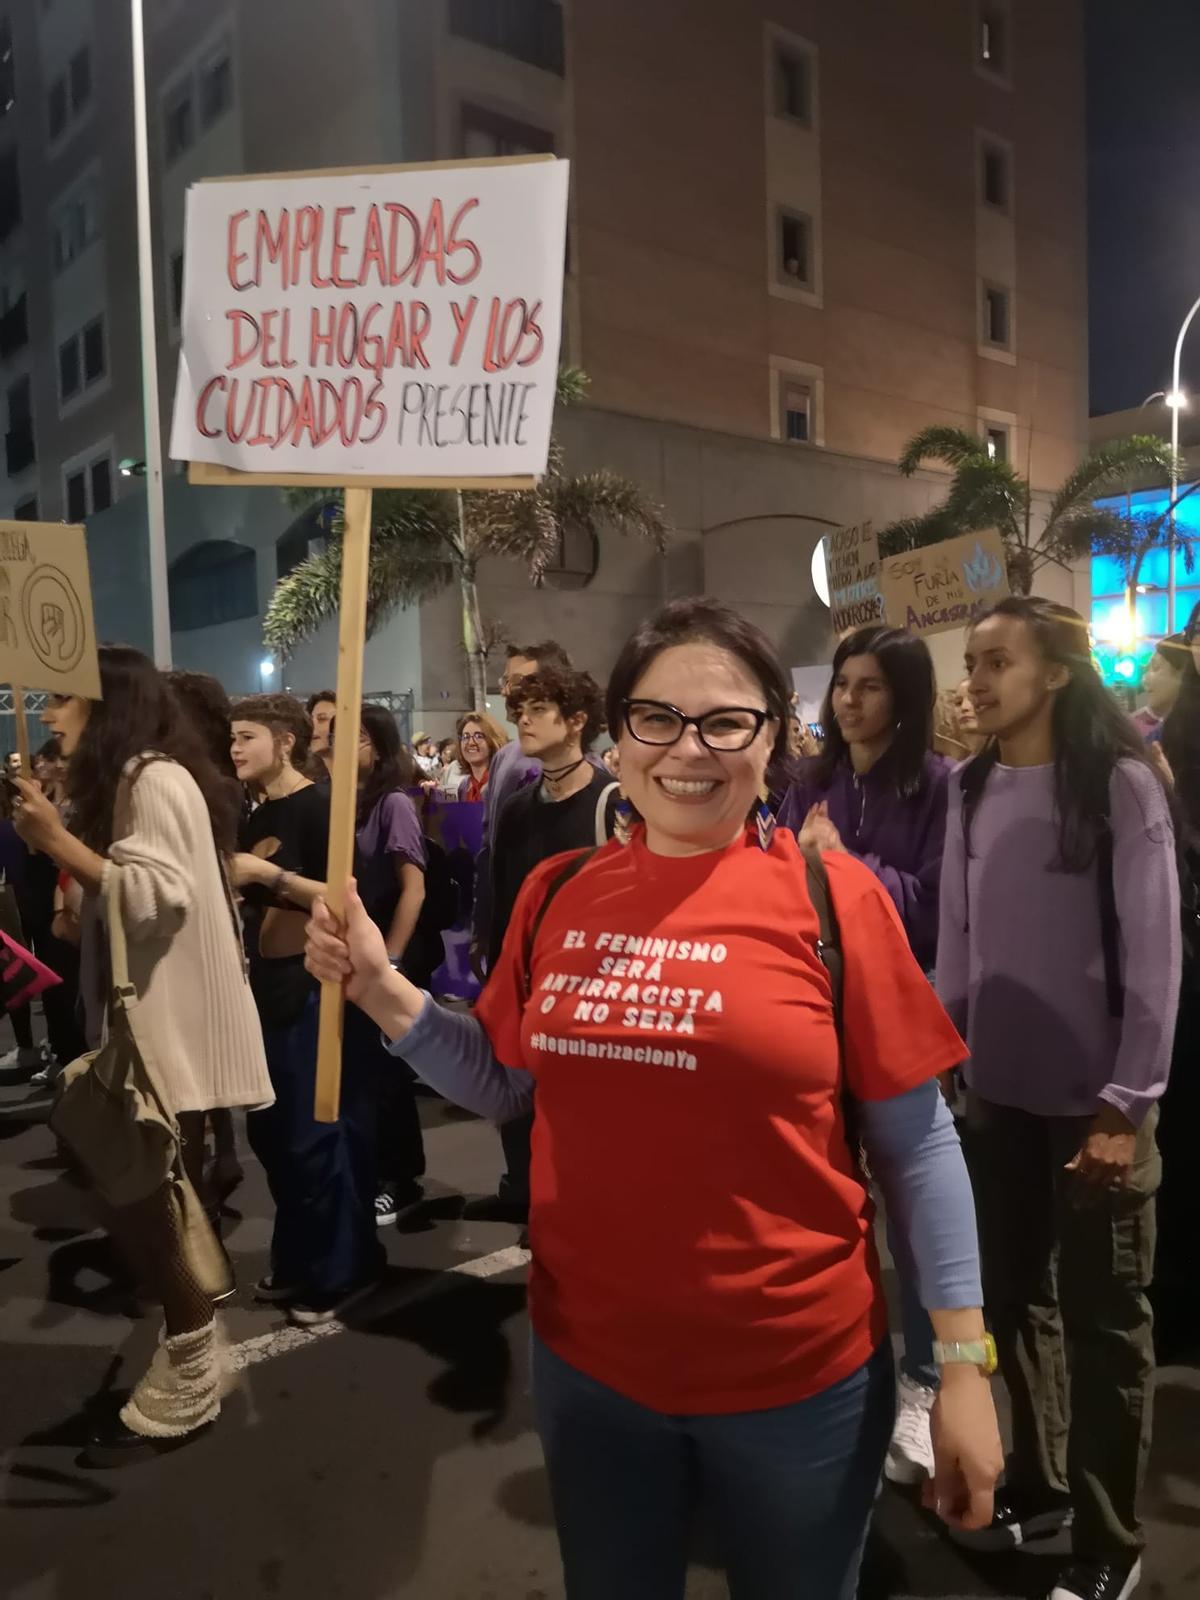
(982, 570)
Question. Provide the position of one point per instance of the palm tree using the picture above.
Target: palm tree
(422, 541)
(989, 493)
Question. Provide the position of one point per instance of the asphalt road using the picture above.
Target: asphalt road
(394, 1460)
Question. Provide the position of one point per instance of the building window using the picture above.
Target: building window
(795, 411)
(997, 442)
(994, 176)
(177, 286)
(76, 496)
(997, 317)
(100, 474)
(179, 130)
(216, 86)
(10, 193)
(993, 43)
(484, 134)
(14, 325)
(793, 85)
(82, 360)
(213, 582)
(8, 74)
(75, 227)
(87, 487)
(529, 30)
(26, 510)
(94, 365)
(20, 450)
(70, 379)
(576, 560)
(793, 264)
(56, 104)
(80, 73)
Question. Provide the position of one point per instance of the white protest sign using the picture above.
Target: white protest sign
(852, 572)
(399, 323)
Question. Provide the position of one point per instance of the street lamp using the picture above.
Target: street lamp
(1177, 401)
(266, 671)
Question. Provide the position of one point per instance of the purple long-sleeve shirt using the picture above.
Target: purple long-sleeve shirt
(898, 836)
(1020, 964)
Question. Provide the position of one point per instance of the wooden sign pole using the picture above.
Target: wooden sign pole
(352, 631)
(18, 695)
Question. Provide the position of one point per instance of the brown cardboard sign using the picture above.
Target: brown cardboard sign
(945, 585)
(47, 631)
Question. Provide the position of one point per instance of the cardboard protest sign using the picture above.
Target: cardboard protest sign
(373, 325)
(47, 632)
(852, 571)
(944, 585)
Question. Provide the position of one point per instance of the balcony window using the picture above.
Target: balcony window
(75, 227)
(216, 87)
(80, 75)
(997, 317)
(20, 451)
(213, 582)
(76, 496)
(10, 194)
(14, 328)
(793, 85)
(793, 264)
(529, 30)
(179, 124)
(26, 510)
(484, 134)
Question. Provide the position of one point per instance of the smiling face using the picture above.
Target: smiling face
(1012, 684)
(66, 715)
(862, 702)
(474, 746)
(692, 798)
(259, 754)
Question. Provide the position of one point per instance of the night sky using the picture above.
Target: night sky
(1144, 195)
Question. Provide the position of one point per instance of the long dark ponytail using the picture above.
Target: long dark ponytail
(1091, 733)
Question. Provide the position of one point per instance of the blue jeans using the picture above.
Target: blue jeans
(786, 1493)
(322, 1175)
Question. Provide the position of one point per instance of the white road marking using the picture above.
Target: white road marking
(281, 1341)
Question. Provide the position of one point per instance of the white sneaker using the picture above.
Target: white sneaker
(910, 1454)
(23, 1058)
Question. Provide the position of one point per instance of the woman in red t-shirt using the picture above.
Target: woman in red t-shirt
(709, 1326)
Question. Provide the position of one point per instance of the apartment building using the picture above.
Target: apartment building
(799, 231)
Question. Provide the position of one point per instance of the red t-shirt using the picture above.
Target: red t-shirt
(702, 1240)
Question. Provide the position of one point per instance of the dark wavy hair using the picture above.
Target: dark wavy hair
(907, 668)
(702, 621)
(202, 698)
(1090, 732)
(1181, 733)
(393, 767)
(571, 691)
(137, 712)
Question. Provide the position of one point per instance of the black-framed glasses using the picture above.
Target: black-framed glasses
(723, 729)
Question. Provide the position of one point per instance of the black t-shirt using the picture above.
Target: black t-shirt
(292, 833)
(532, 828)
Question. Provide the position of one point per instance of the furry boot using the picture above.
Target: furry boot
(181, 1389)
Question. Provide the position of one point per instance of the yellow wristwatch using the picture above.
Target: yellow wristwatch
(979, 1353)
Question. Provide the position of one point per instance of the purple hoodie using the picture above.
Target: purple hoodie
(899, 838)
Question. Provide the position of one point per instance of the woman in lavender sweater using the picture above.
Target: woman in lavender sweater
(877, 791)
(1058, 958)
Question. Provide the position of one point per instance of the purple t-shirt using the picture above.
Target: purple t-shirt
(1020, 965)
(391, 832)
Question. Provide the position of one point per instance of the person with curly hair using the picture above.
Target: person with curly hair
(558, 713)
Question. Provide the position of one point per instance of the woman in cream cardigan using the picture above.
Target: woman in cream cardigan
(146, 803)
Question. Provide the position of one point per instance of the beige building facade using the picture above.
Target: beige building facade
(800, 230)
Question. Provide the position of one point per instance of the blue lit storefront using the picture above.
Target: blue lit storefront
(1122, 650)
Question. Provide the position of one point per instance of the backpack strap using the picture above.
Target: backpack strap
(602, 814)
(829, 947)
(559, 881)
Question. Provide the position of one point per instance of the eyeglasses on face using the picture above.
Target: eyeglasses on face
(723, 729)
(473, 738)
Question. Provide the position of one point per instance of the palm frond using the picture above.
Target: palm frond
(590, 498)
(914, 533)
(571, 386)
(985, 493)
(1111, 467)
(939, 443)
(304, 599)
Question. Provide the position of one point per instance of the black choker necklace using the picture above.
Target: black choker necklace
(554, 775)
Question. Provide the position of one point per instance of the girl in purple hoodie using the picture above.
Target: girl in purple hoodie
(877, 791)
